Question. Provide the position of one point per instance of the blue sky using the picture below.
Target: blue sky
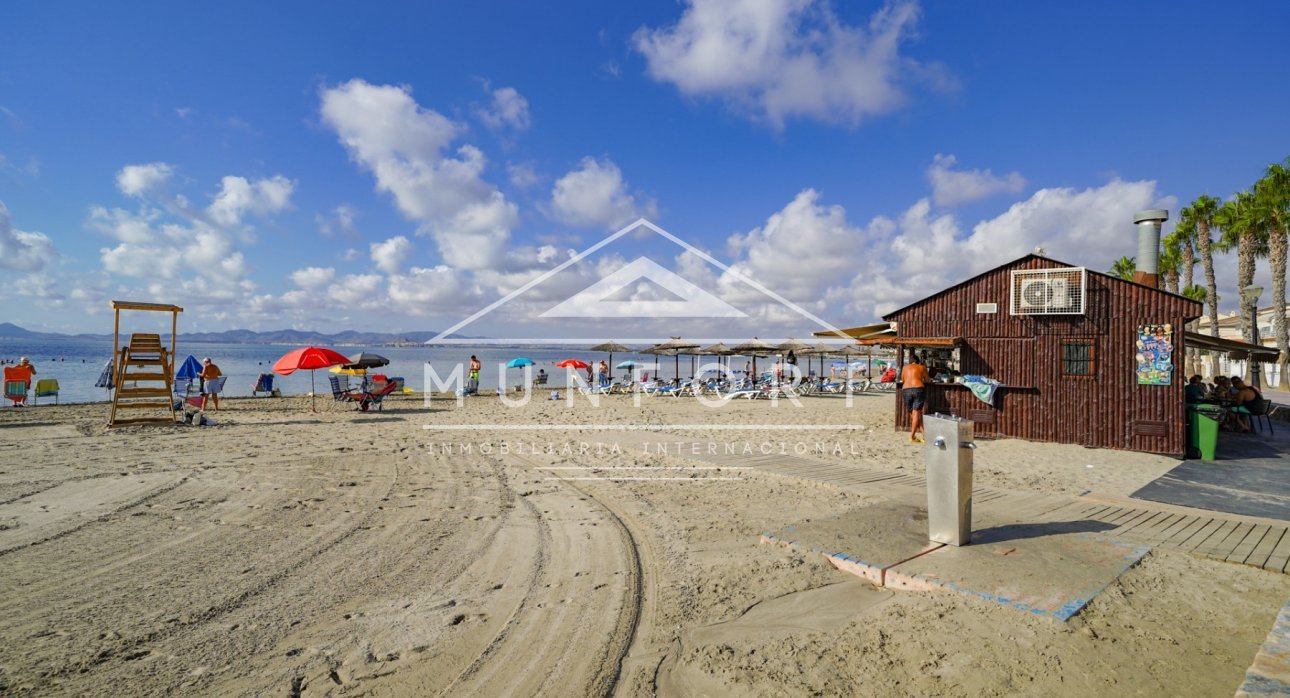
(398, 167)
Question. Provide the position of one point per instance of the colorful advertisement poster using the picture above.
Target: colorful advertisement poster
(1155, 354)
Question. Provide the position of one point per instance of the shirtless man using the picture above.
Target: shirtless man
(913, 385)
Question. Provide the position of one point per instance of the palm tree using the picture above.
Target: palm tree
(1123, 268)
(1199, 216)
(1196, 293)
(1246, 232)
(1170, 264)
(1185, 237)
(1272, 197)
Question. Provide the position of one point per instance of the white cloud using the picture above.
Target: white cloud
(238, 197)
(391, 255)
(779, 59)
(522, 175)
(358, 291)
(799, 249)
(123, 225)
(402, 144)
(950, 186)
(1087, 227)
(21, 250)
(595, 195)
(509, 109)
(340, 222)
(313, 277)
(137, 180)
(423, 291)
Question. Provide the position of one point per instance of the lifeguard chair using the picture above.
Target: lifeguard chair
(144, 370)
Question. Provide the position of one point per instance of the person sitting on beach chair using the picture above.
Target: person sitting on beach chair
(376, 392)
(264, 384)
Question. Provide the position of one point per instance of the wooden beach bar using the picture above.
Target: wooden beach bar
(1081, 357)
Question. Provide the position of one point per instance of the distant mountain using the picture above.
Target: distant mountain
(8, 330)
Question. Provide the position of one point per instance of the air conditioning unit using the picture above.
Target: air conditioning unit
(1044, 294)
(1048, 291)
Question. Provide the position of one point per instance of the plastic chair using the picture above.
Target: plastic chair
(1255, 409)
(46, 387)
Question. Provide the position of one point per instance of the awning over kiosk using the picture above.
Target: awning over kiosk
(912, 342)
(1195, 340)
(862, 332)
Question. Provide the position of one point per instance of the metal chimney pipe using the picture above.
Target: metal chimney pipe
(1148, 265)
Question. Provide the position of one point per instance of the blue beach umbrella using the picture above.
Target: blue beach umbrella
(190, 369)
(518, 362)
(628, 364)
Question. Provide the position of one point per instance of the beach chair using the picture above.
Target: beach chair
(46, 387)
(375, 395)
(340, 394)
(264, 384)
(1255, 409)
(17, 382)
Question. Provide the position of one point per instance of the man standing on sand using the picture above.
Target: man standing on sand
(473, 385)
(209, 373)
(913, 385)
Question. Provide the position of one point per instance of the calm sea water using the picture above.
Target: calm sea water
(76, 363)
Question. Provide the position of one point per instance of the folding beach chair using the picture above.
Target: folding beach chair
(375, 394)
(264, 384)
(340, 394)
(17, 381)
(46, 387)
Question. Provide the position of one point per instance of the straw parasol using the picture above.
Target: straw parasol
(611, 347)
(718, 349)
(850, 351)
(820, 350)
(754, 348)
(673, 347)
(794, 347)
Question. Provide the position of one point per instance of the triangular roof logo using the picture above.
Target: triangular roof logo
(601, 299)
(679, 298)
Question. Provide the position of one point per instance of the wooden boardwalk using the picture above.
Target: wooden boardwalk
(1262, 543)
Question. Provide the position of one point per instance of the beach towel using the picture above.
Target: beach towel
(983, 388)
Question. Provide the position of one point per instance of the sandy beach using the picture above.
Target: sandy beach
(401, 552)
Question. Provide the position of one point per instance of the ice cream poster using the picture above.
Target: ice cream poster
(1155, 354)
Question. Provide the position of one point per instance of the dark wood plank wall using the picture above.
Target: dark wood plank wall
(1024, 352)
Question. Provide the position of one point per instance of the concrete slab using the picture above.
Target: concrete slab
(1270, 673)
(1055, 575)
(865, 541)
(1048, 569)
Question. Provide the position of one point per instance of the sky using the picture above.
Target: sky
(401, 166)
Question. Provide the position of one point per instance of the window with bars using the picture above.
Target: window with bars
(1078, 358)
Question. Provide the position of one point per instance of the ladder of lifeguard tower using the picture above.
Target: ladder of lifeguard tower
(144, 369)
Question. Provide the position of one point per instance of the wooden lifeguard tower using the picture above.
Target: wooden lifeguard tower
(144, 370)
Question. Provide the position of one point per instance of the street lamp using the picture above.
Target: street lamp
(1252, 293)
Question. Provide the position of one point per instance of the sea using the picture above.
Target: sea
(77, 363)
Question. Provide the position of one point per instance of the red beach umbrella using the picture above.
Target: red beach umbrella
(309, 359)
(571, 363)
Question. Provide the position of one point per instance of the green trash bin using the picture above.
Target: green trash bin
(1204, 434)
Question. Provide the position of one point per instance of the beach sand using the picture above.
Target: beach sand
(284, 552)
